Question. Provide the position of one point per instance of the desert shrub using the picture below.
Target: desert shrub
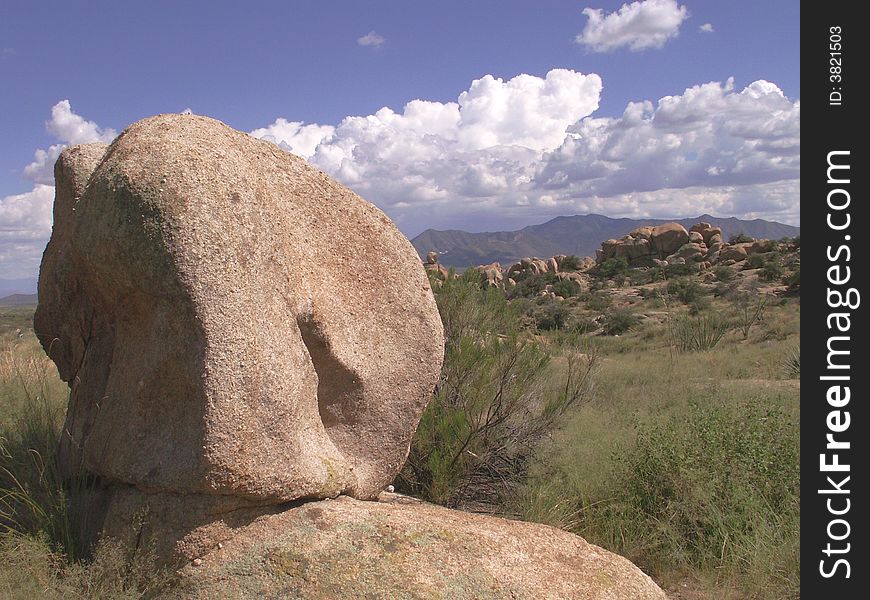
(740, 238)
(495, 402)
(551, 314)
(641, 276)
(792, 363)
(566, 288)
(717, 488)
(599, 302)
(724, 274)
(793, 280)
(584, 325)
(671, 271)
(748, 310)
(700, 304)
(686, 289)
(530, 285)
(772, 271)
(570, 263)
(612, 267)
(619, 321)
(699, 333)
(755, 261)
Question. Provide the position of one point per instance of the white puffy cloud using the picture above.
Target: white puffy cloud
(709, 136)
(510, 153)
(476, 150)
(69, 129)
(639, 26)
(529, 148)
(25, 225)
(372, 38)
(706, 28)
(294, 136)
(25, 219)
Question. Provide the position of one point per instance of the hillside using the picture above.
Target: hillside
(18, 300)
(578, 234)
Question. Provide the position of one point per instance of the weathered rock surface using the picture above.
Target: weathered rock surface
(668, 238)
(401, 548)
(232, 322)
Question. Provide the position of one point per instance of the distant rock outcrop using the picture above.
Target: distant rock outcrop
(671, 243)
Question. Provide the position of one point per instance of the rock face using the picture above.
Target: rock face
(231, 321)
(668, 238)
(401, 548)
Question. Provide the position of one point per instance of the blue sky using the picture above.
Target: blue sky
(730, 147)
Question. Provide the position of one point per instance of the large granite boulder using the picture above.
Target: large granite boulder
(231, 321)
(668, 238)
(400, 548)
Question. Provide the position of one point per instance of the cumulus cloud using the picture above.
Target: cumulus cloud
(530, 147)
(706, 28)
(294, 136)
(69, 129)
(372, 38)
(639, 26)
(511, 152)
(25, 225)
(26, 218)
(711, 135)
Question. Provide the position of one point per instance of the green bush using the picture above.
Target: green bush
(612, 267)
(494, 405)
(772, 271)
(740, 238)
(686, 289)
(552, 314)
(718, 488)
(599, 302)
(619, 321)
(696, 334)
(724, 274)
(566, 288)
(793, 280)
(570, 263)
(755, 261)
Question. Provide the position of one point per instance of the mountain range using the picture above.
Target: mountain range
(578, 234)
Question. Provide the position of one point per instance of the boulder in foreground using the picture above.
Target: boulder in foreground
(400, 548)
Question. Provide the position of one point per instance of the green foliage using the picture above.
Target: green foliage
(570, 263)
(552, 314)
(494, 404)
(686, 289)
(772, 271)
(676, 270)
(724, 274)
(792, 363)
(740, 238)
(755, 261)
(619, 321)
(599, 302)
(699, 333)
(612, 267)
(793, 280)
(707, 487)
(530, 285)
(566, 288)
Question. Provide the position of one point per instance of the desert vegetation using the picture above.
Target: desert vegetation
(681, 449)
(653, 412)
